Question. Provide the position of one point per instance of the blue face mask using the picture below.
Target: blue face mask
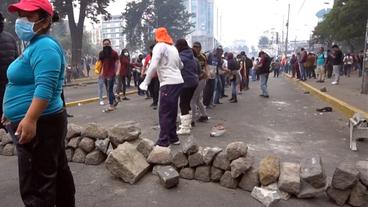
(24, 29)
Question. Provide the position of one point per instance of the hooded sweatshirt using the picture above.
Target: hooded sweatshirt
(190, 69)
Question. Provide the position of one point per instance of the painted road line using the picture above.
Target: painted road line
(346, 109)
(91, 100)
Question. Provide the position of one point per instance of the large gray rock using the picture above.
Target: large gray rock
(169, 177)
(312, 171)
(189, 146)
(249, 180)
(269, 170)
(95, 158)
(240, 165)
(127, 163)
(187, 173)
(102, 145)
(284, 195)
(179, 159)
(267, 197)
(202, 173)
(235, 150)
(122, 132)
(87, 144)
(74, 131)
(216, 174)
(145, 147)
(156, 168)
(9, 150)
(94, 131)
(79, 156)
(289, 180)
(74, 142)
(338, 196)
(345, 176)
(209, 154)
(221, 161)
(308, 191)
(196, 159)
(160, 155)
(5, 138)
(69, 154)
(362, 167)
(228, 181)
(359, 195)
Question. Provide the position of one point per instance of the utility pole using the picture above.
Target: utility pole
(365, 62)
(287, 31)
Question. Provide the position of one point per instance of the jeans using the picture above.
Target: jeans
(303, 72)
(217, 90)
(208, 92)
(185, 98)
(121, 84)
(254, 75)
(101, 83)
(336, 72)
(347, 69)
(109, 83)
(264, 80)
(233, 88)
(168, 111)
(45, 178)
(154, 88)
(197, 100)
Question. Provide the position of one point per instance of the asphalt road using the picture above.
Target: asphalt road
(285, 125)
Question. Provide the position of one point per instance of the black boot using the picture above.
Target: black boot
(235, 100)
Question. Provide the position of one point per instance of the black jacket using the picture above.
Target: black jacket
(8, 53)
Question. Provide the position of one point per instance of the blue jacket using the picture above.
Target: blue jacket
(190, 69)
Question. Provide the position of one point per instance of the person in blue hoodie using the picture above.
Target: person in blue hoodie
(191, 79)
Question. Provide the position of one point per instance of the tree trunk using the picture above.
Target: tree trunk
(364, 89)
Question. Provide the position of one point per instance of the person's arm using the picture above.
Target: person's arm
(152, 69)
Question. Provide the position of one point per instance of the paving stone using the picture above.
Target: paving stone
(228, 181)
(95, 131)
(216, 174)
(189, 146)
(127, 163)
(362, 167)
(69, 154)
(74, 130)
(196, 159)
(345, 176)
(203, 173)
(359, 195)
(187, 173)
(102, 145)
(122, 132)
(235, 150)
(145, 147)
(284, 195)
(5, 138)
(338, 196)
(209, 154)
(221, 161)
(9, 150)
(312, 171)
(308, 191)
(249, 180)
(160, 155)
(87, 144)
(269, 170)
(95, 158)
(179, 159)
(156, 168)
(74, 142)
(79, 156)
(169, 177)
(267, 197)
(289, 180)
(240, 166)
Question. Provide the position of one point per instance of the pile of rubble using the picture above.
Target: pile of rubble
(7, 147)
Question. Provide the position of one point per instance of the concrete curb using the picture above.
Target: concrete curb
(81, 83)
(91, 100)
(346, 109)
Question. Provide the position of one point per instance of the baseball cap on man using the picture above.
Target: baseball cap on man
(32, 5)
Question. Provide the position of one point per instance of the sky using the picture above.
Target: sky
(249, 19)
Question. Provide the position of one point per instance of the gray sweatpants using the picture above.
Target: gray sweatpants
(197, 100)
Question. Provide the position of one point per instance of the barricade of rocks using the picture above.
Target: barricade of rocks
(7, 147)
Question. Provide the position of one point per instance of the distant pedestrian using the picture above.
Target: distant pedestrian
(348, 64)
(263, 69)
(154, 86)
(302, 60)
(328, 66)
(235, 78)
(214, 61)
(320, 70)
(337, 62)
(166, 62)
(122, 73)
(276, 67)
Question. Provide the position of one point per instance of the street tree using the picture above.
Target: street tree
(91, 9)
(263, 42)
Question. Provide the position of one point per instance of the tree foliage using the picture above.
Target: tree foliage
(344, 24)
(141, 17)
(263, 42)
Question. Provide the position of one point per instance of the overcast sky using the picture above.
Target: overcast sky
(249, 19)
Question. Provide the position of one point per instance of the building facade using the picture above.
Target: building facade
(113, 29)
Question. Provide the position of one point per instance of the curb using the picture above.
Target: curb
(91, 100)
(81, 83)
(346, 109)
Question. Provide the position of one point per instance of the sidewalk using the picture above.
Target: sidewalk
(346, 96)
(82, 81)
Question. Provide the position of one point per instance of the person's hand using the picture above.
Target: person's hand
(26, 130)
(143, 86)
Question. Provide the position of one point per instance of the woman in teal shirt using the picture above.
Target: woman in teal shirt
(33, 106)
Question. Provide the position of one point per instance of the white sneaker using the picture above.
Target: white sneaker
(176, 143)
(102, 103)
(335, 83)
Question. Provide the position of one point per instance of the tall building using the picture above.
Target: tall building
(113, 29)
(204, 22)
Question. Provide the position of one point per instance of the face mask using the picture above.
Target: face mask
(24, 28)
(126, 54)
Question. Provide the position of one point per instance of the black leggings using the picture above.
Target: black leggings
(185, 98)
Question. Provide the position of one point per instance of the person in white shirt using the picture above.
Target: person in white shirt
(166, 62)
(348, 64)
